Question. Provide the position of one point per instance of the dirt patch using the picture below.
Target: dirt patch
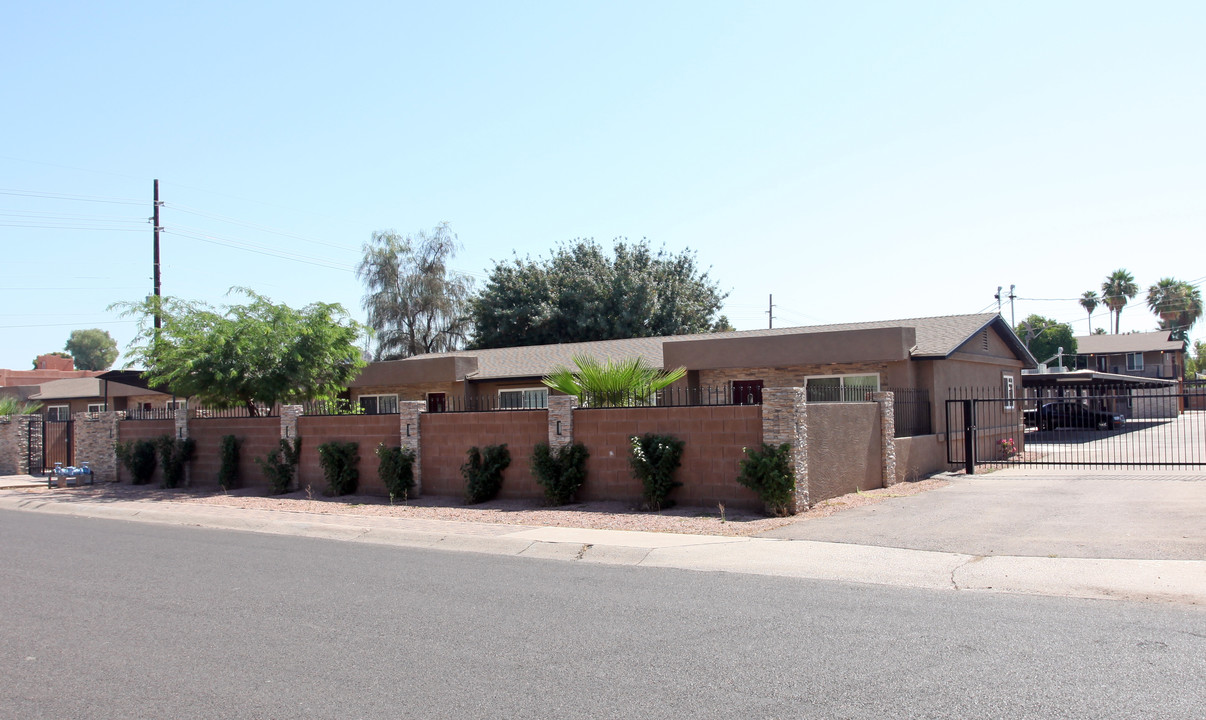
(598, 515)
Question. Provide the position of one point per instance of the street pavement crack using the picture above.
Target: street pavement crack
(960, 566)
(582, 551)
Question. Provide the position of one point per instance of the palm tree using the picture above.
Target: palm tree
(1177, 303)
(611, 383)
(1115, 291)
(1089, 301)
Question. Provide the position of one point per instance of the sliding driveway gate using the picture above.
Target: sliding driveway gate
(1111, 427)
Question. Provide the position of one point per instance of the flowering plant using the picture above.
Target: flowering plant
(654, 459)
(1008, 448)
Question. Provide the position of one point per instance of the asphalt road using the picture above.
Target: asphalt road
(104, 619)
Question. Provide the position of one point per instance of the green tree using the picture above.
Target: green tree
(1089, 301)
(581, 293)
(1178, 305)
(1195, 363)
(1044, 337)
(244, 354)
(92, 349)
(415, 303)
(1117, 289)
(611, 383)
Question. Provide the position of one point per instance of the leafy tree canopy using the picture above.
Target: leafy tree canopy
(1195, 362)
(581, 294)
(1044, 337)
(92, 349)
(240, 354)
(415, 303)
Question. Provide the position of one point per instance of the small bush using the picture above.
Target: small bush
(654, 459)
(483, 472)
(173, 454)
(228, 472)
(338, 461)
(560, 472)
(280, 465)
(396, 468)
(138, 457)
(768, 472)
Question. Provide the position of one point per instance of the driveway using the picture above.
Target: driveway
(1041, 512)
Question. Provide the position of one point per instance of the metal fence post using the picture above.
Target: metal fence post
(969, 436)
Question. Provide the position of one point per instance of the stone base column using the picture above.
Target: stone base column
(887, 434)
(561, 420)
(289, 416)
(14, 446)
(410, 421)
(95, 436)
(785, 420)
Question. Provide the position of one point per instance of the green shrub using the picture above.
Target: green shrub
(560, 472)
(228, 472)
(483, 472)
(654, 458)
(768, 472)
(338, 461)
(138, 457)
(280, 465)
(173, 454)
(396, 468)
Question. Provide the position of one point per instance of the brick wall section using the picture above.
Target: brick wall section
(887, 435)
(366, 430)
(448, 436)
(785, 377)
(714, 439)
(409, 423)
(785, 420)
(128, 430)
(257, 437)
(95, 435)
(561, 420)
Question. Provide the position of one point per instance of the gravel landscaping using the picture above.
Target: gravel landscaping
(600, 515)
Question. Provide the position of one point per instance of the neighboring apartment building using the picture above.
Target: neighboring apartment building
(1149, 354)
(48, 367)
(933, 354)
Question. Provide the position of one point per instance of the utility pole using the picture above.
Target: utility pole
(770, 312)
(1012, 319)
(155, 220)
(998, 297)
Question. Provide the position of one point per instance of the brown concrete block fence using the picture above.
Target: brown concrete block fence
(837, 447)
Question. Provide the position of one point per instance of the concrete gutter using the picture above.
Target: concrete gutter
(1170, 581)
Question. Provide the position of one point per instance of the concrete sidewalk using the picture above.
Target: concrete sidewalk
(1177, 581)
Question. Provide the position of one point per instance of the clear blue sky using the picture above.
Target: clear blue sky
(860, 161)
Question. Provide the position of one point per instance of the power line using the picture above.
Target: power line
(64, 196)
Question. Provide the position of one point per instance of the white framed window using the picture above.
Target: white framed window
(96, 407)
(523, 398)
(379, 404)
(174, 404)
(1008, 389)
(841, 388)
(58, 412)
(1134, 361)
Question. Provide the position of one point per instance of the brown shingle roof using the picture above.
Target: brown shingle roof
(936, 337)
(1131, 342)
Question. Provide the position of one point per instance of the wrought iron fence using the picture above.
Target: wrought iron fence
(342, 407)
(150, 414)
(912, 411)
(201, 412)
(671, 397)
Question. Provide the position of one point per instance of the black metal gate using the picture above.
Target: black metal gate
(1097, 427)
(57, 443)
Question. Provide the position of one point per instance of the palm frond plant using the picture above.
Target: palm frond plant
(611, 383)
(15, 406)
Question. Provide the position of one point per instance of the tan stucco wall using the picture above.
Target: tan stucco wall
(843, 449)
(410, 392)
(920, 456)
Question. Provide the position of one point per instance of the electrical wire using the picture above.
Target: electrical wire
(75, 198)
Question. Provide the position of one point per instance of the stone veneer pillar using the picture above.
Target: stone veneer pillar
(409, 412)
(785, 420)
(14, 445)
(30, 432)
(289, 416)
(887, 434)
(561, 420)
(95, 436)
